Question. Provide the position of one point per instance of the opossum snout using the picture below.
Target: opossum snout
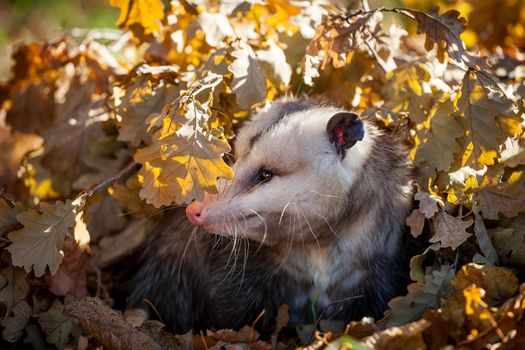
(197, 211)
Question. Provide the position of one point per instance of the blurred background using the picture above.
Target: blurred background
(35, 20)
(491, 23)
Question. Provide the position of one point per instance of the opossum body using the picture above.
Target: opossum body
(314, 218)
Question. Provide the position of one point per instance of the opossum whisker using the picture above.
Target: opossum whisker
(282, 214)
(309, 226)
(179, 274)
(265, 229)
(325, 219)
(326, 195)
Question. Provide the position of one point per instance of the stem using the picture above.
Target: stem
(109, 181)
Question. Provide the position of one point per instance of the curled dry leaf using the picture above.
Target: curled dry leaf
(416, 221)
(14, 324)
(428, 203)
(71, 276)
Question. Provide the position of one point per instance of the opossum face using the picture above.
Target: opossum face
(294, 167)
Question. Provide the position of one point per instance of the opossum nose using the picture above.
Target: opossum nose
(196, 211)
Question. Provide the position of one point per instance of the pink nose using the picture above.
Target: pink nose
(197, 211)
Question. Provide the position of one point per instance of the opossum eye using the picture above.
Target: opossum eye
(345, 129)
(265, 175)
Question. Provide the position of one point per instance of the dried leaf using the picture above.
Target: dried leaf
(8, 212)
(438, 144)
(420, 297)
(514, 153)
(499, 283)
(56, 325)
(428, 203)
(274, 62)
(14, 325)
(38, 244)
(444, 30)
(450, 231)
(506, 197)
(248, 81)
(482, 104)
(71, 277)
(142, 17)
(416, 221)
(489, 252)
(184, 160)
(14, 287)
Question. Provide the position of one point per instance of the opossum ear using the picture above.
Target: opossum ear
(344, 130)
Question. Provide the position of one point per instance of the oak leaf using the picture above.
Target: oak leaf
(142, 17)
(482, 105)
(185, 157)
(248, 81)
(274, 61)
(8, 212)
(428, 203)
(444, 30)
(450, 230)
(38, 244)
(416, 221)
(14, 286)
(438, 144)
(506, 197)
(420, 297)
(71, 276)
(56, 325)
(499, 283)
(14, 325)
(146, 90)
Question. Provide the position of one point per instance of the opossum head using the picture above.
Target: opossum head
(295, 164)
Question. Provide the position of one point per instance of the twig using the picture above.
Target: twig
(109, 181)
(335, 302)
(378, 59)
(365, 5)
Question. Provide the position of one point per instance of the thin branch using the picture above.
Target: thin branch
(112, 179)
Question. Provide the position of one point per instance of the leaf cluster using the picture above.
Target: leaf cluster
(100, 135)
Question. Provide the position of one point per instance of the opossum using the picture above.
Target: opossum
(314, 218)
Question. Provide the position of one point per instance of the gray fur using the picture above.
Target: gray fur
(353, 265)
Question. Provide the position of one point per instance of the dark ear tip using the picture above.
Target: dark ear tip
(341, 118)
(345, 129)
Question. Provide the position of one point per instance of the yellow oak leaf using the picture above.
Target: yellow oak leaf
(481, 104)
(450, 230)
(142, 17)
(444, 30)
(437, 143)
(185, 158)
(38, 244)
